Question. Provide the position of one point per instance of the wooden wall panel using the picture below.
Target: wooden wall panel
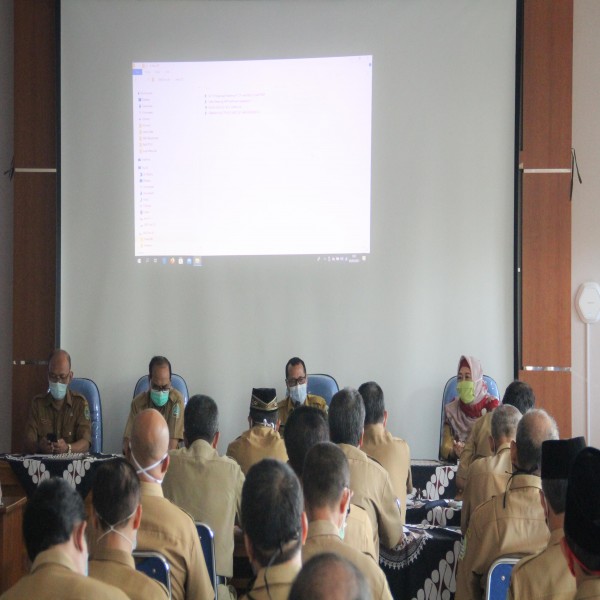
(546, 270)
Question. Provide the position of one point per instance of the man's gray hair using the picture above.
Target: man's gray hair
(535, 427)
(505, 420)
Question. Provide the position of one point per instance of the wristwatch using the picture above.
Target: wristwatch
(69, 448)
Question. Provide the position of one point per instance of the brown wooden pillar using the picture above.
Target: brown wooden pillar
(544, 223)
(35, 202)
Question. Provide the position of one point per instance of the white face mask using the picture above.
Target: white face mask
(133, 542)
(145, 470)
(57, 389)
(298, 393)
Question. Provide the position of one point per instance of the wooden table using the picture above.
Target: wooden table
(13, 557)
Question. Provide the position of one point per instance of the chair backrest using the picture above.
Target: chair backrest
(154, 565)
(87, 388)
(322, 385)
(207, 541)
(498, 579)
(450, 393)
(177, 381)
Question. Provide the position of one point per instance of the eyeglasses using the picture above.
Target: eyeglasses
(294, 382)
(56, 378)
(160, 388)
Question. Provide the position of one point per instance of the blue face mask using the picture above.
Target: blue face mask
(298, 393)
(58, 390)
(159, 398)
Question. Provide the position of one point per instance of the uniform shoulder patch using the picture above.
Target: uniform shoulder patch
(176, 411)
(86, 412)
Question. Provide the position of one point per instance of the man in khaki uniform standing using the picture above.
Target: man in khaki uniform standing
(514, 522)
(327, 497)
(391, 452)
(59, 420)
(546, 574)
(54, 532)
(262, 440)
(274, 524)
(206, 485)
(489, 476)
(296, 383)
(117, 517)
(518, 394)
(165, 528)
(369, 481)
(581, 544)
(162, 397)
(306, 427)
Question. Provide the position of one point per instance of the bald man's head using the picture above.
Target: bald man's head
(535, 427)
(149, 437)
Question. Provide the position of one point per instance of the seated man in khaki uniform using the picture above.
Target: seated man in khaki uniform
(306, 427)
(204, 484)
(59, 420)
(391, 452)
(546, 574)
(54, 532)
(327, 496)
(262, 440)
(329, 576)
(274, 525)
(165, 528)
(489, 476)
(514, 522)
(162, 397)
(369, 481)
(581, 544)
(296, 383)
(518, 394)
(117, 517)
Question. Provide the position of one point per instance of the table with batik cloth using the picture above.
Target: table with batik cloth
(77, 468)
(434, 488)
(423, 567)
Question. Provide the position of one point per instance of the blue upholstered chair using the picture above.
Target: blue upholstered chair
(450, 393)
(154, 565)
(322, 385)
(207, 541)
(177, 381)
(87, 388)
(498, 579)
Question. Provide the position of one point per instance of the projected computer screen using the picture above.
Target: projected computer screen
(253, 157)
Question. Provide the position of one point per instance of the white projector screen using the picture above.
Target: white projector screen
(437, 280)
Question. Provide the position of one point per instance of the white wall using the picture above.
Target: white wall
(6, 218)
(586, 207)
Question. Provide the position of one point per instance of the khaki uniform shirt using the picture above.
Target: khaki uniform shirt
(280, 579)
(71, 422)
(373, 491)
(172, 411)
(323, 537)
(477, 444)
(286, 408)
(394, 455)
(255, 444)
(209, 487)
(543, 576)
(486, 477)
(53, 575)
(512, 523)
(167, 529)
(118, 568)
(588, 589)
(359, 532)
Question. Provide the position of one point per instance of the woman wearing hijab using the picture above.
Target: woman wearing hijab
(461, 413)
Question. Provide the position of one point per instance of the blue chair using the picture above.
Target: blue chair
(450, 393)
(154, 565)
(177, 381)
(207, 541)
(498, 579)
(322, 385)
(87, 388)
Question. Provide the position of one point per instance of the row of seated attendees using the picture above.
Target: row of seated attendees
(352, 503)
